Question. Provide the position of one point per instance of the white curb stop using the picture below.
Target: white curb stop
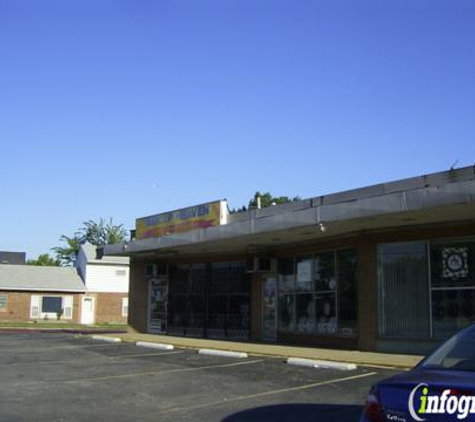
(160, 346)
(224, 353)
(109, 339)
(325, 364)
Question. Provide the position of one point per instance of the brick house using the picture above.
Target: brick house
(30, 293)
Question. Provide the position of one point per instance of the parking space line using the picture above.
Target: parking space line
(16, 350)
(166, 371)
(268, 393)
(46, 362)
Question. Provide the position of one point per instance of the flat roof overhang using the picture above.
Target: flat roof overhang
(299, 222)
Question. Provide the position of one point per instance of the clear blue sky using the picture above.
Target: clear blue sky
(125, 108)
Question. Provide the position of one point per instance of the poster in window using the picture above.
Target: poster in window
(455, 263)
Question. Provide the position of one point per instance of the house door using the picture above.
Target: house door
(269, 309)
(87, 310)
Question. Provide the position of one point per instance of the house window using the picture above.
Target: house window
(51, 304)
(51, 307)
(3, 302)
(125, 306)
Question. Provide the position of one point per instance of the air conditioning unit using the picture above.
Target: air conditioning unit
(157, 270)
(259, 264)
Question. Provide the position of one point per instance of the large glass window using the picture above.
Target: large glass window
(309, 293)
(347, 294)
(453, 286)
(427, 289)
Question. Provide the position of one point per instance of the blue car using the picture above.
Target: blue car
(440, 388)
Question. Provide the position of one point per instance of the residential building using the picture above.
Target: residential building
(30, 293)
(106, 283)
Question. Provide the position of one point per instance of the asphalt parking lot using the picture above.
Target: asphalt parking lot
(61, 377)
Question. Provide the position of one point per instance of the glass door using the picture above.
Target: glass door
(158, 305)
(269, 309)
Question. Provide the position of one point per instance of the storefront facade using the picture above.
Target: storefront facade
(394, 281)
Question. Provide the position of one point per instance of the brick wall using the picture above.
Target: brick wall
(18, 306)
(109, 308)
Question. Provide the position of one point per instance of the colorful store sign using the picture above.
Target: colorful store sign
(182, 220)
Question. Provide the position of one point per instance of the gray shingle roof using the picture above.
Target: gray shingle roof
(30, 277)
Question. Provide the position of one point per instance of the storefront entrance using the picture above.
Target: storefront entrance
(158, 305)
(269, 309)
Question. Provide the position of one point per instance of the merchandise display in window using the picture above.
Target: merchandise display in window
(311, 306)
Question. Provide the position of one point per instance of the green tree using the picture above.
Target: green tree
(267, 199)
(44, 260)
(96, 233)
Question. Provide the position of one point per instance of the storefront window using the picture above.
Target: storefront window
(325, 277)
(453, 286)
(304, 280)
(286, 312)
(308, 304)
(326, 313)
(286, 275)
(404, 301)
(305, 313)
(347, 294)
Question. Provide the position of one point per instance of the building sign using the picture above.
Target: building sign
(182, 220)
(455, 263)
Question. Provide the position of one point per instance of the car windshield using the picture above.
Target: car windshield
(458, 353)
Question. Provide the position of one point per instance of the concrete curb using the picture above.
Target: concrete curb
(224, 353)
(325, 364)
(351, 359)
(108, 339)
(160, 346)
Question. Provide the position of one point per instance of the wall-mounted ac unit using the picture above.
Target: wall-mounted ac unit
(157, 270)
(259, 264)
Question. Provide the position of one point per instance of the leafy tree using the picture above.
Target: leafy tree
(267, 199)
(44, 260)
(96, 233)
(67, 254)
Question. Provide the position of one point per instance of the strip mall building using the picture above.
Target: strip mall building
(389, 267)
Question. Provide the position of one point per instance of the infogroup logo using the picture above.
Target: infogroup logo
(421, 403)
